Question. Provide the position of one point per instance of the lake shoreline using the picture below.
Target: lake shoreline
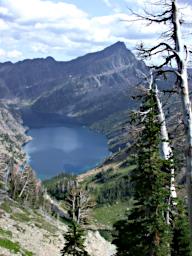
(99, 140)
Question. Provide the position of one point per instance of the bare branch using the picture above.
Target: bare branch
(151, 18)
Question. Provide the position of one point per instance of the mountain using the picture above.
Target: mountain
(27, 229)
(86, 89)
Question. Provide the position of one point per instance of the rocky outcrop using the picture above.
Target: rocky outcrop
(42, 235)
(12, 137)
(33, 231)
(97, 246)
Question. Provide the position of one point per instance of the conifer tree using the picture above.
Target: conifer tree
(74, 241)
(180, 245)
(78, 204)
(173, 50)
(145, 231)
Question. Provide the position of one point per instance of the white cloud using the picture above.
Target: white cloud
(136, 2)
(32, 10)
(40, 47)
(2, 53)
(3, 11)
(34, 28)
(10, 54)
(15, 54)
(3, 25)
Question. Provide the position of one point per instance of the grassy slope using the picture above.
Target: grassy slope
(109, 185)
(105, 214)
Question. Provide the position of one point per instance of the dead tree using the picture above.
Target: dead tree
(14, 182)
(79, 203)
(165, 146)
(27, 181)
(30, 186)
(174, 51)
(166, 150)
(23, 185)
(71, 203)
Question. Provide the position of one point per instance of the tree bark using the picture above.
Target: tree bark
(182, 61)
(166, 149)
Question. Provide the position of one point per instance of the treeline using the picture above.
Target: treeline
(116, 188)
(113, 187)
(60, 185)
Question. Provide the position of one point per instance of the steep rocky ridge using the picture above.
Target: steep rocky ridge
(12, 137)
(28, 232)
(86, 89)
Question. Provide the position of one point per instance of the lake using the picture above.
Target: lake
(72, 149)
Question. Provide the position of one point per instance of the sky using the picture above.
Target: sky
(66, 29)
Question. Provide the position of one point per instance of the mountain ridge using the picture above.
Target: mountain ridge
(86, 89)
(115, 46)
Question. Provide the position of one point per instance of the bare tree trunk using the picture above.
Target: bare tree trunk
(23, 189)
(9, 170)
(182, 61)
(187, 113)
(15, 186)
(167, 154)
(79, 207)
(79, 215)
(166, 149)
(74, 208)
(174, 51)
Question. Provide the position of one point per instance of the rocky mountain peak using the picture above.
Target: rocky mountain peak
(50, 59)
(107, 60)
(82, 89)
(116, 47)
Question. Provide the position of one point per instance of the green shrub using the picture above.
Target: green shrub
(14, 247)
(22, 217)
(11, 246)
(107, 234)
(6, 233)
(5, 206)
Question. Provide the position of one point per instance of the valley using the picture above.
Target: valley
(89, 90)
(85, 100)
(77, 112)
(95, 128)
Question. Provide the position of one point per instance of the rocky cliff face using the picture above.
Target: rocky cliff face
(86, 89)
(12, 137)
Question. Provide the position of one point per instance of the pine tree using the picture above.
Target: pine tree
(173, 50)
(78, 204)
(145, 231)
(181, 233)
(74, 241)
